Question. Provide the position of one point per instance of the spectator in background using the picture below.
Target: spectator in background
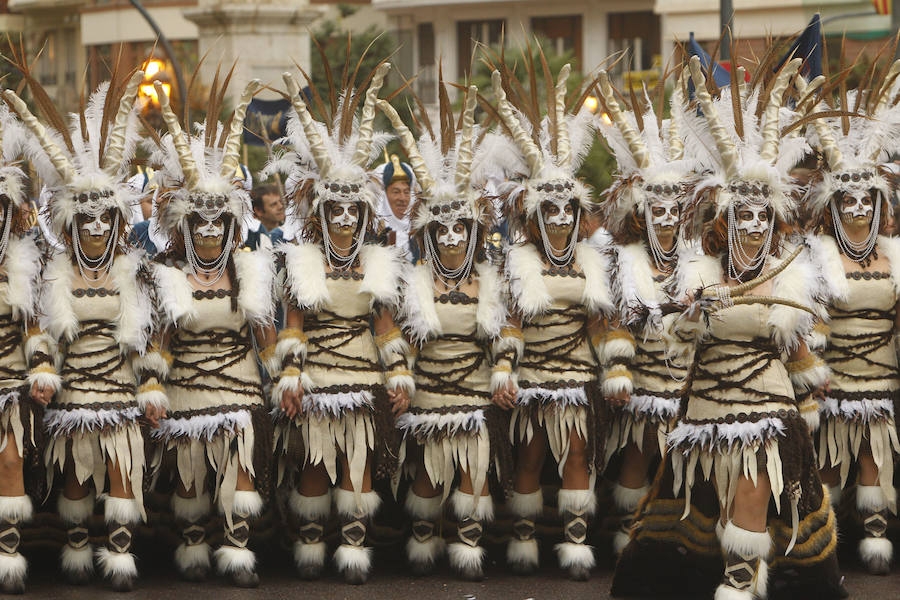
(394, 206)
(140, 235)
(268, 210)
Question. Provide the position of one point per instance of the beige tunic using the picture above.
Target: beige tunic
(13, 372)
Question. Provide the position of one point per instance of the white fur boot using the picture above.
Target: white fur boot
(115, 559)
(192, 554)
(352, 558)
(77, 557)
(424, 548)
(875, 549)
(522, 550)
(466, 555)
(575, 556)
(746, 568)
(626, 501)
(14, 510)
(309, 549)
(233, 557)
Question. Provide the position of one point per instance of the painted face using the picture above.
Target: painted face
(343, 217)
(857, 209)
(208, 234)
(94, 233)
(559, 216)
(452, 239)
(753, 221)
(664, 214)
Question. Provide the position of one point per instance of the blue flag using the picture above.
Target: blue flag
(719, 73)
(809, 48)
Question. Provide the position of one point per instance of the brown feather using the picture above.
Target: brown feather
(329, 77)
(552, 118)
(186, 96)
(324, 115)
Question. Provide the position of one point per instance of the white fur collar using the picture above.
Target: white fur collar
(23, 272)
(255, 273)
(524, 268)
(890, 246)
(634, 279)
(824, 250)
(135, 318)
(420, 315)
(382, 268)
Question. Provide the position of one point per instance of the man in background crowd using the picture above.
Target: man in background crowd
(396, 203)
(268, 208)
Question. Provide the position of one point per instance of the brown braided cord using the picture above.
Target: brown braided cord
(191, 354)
(11, 333)
(755, 355)
(554, 354)
(99, 370)
(845, 347)
(328, 334)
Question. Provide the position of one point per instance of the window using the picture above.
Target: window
(563, 34)
(471, 33)
(46, 66)
(426, 82)
(638, 32)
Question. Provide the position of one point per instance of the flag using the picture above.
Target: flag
(719, 73)
(808, 46)
(882, 7)
(266, 120)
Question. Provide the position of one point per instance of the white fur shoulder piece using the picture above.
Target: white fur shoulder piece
(256, 275)
(492, 309)
(891, 248)
(634, 278)
(135, 318)
(695, 270)
(57, 316)
(526, 283)
(382, 273)
(824, 250)
(420, 318)
(799, 283)
(305, 267)
(596, 266)
(23, 272)
(175, 294)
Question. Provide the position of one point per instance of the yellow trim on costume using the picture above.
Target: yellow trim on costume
(810, 361)
(513, 332)
(619, 371)
(291, 371)
(808, 405)
(267, 353)
(504, 367)
(44, 368)
(822, 327)
(33, 330)
(166, 356)
(387, 337)
(399, 371)
(293, 334)
(619, 334)
(151, 387)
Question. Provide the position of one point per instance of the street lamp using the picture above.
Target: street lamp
(154, 70)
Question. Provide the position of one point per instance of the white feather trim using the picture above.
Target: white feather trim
(746, 543)
(175, 294)
(230, 559)
(464, 506)
(890, 246)
(196, 555)
(420, 318)
(613, 386)
(574, 396)
(465, 558)
(726, 435)
(311, 508)
(353, 558)
(596, 266)
(427, 552)
(77, 560)
(23, 270)
(61, 423)
(871, 498)
(492, 311)
(289, 347)
(510, 342)
(39, 342)
(202, 427)
(859, 411)
(663, 409)
(45, 379)
(420, 507)
(799, 283)
(382, 268)
(114, 564)
(121, 510)
(571, 555)
(151, 363)
(526, 282)
(345, 502)
(16, 508)
(522, 552)
(617, 348)
(876, 550)
(155, 398)
(433, 424)
(191, 509)
(394, 349)
(528, 506)
(305, 267)
(57, 316)
(634, 280)
(75, 511)
(13, 567)
(401, 382)
(289, 383)
(334, 404)
(500, 379)
(256, 273)
(306, 555)
(246, 502)
(825, 253)
(811, 378)
(577, 500)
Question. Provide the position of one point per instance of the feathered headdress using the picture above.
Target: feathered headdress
(328, 159)
(552, 147)
(83, 163)
(739, 142)
(199, 171)
(857, 142)
(443, 164)
(13, 138)
(649, 152)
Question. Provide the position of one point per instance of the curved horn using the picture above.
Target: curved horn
(724, 144)
(231, 159)
(563, 144)
(632, 137)
(409, 146)
(182, 147)
(464, 150)
(532, 153)
(367, 122)
(675, 151)
(54, 153)
(316, 145)
(833, 154)
(113, 158)
(771, 131)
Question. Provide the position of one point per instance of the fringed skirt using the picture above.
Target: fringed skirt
(644, 410)
(562, 412)
(208, 448)
(675, 525)
(848, 421)
(93, 435)
(355, 423)
(21, 422)
(469, 438)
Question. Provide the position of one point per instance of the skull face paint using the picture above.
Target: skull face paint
(97, 226)
(753, 220)
(208, 234)
(343, 216)
(664, 213)
(558, 215)
(452, 240)
(857, 210)
(94, 233)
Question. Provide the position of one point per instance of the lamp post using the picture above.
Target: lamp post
(726, 22)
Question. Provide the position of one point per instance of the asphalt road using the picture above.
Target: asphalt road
(389, 581)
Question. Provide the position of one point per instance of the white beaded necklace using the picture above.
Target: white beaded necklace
(661, 257)
(856, 251)
(100, 266)
(735, 246)
(215, 267)
(335, 261)
(4, 237)
(549, 250)
(459, 274)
